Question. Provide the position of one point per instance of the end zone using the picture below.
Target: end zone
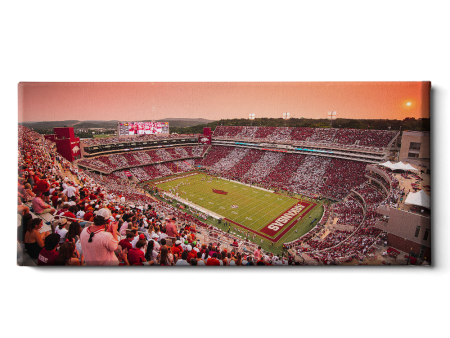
(278, 224)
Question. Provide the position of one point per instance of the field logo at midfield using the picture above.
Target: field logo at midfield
(278, 223)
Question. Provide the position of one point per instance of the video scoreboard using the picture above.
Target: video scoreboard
(142, 128)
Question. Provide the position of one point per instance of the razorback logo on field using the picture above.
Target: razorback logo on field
(220, 192)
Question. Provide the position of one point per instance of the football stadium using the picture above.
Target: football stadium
(231, 195)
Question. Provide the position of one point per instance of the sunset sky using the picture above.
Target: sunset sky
(220, 100)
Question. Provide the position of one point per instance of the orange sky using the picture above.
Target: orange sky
(219, 100)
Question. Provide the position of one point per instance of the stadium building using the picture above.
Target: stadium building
(341, 206)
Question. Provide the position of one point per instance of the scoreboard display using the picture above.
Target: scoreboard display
(142, 128)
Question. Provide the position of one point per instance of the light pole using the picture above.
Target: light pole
(331, 116)
(251, 117)
(409, 256)
(286, 116)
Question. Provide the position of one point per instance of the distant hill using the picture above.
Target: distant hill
(49, 124)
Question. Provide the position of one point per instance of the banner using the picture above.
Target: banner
(204, 139)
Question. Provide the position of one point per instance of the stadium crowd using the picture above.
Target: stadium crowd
(108, 221)
(134, 138)
(340, 137)
(143, 231)
(109, 163)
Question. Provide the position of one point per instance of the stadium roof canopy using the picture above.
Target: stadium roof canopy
(398, 166)
(418, 198)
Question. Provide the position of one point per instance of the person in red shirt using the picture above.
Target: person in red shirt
(176, 249)
(88, 215)
(44, 187)
(71, 213)
(55, 198)
(35, 177)
(126, 242)
(260, 262)
(213, 260)
(192, 253)
(48, 254)
(135, 255)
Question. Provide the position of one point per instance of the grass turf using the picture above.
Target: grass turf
(255, 208)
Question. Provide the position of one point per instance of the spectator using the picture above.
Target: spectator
(80, 214)
(260, 261)
(40, 207)
(97, 244)
(48, 254)
(43, 187)
(257, 253)
(171, 228)
(238, 259)
(176, 249)
(61, 230)
(213, 261)
(135, 255)
(126, 242)
(28, 193)
(200, 261)
(33, 239)
(23, 227)
(68, 255)
(74, 232)
(150, 254)
(22, 209)
(165, 258)
(183, 259)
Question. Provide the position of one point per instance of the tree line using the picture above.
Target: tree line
(406, 124)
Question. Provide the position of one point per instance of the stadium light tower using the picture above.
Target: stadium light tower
(286, 116)
(331, 116)
(251, 117)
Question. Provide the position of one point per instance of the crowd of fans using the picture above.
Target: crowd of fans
(112, 202)
(304, 174)
(260, 169)
(136, 138)
(109, 220)
(225, 164)
(109, 163)
(357, 138)
(349, 211)
(241, 167)
(308, 176)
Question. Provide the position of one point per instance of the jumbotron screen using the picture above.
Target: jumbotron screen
(143, 128)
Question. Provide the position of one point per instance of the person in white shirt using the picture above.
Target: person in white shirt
(80, 214)
(61, 230)
(154, 239)
(70, 191)
(182, 260)
(135, 239)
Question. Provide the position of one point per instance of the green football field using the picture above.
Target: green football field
(248, 209)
